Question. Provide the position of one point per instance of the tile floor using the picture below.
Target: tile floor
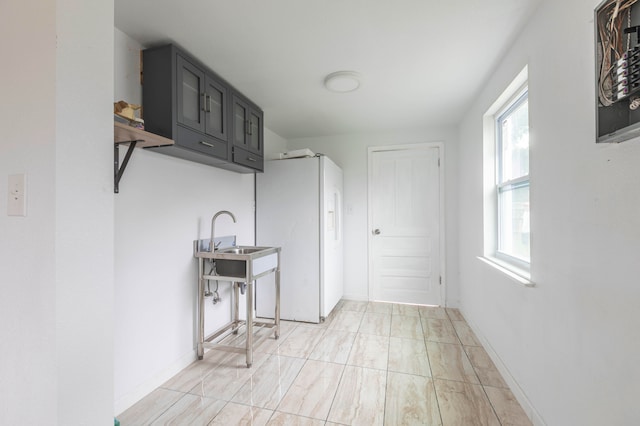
(368, 364)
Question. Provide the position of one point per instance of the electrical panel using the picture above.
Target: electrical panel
(617, 28)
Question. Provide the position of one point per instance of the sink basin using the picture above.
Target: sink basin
(231, 268)
(232, 261)
(241, 250)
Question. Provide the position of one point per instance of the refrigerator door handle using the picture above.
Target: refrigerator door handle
(338, 218)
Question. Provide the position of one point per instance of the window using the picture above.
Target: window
(512, 182)
(507, 245)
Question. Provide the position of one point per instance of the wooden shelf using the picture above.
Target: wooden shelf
(135, 138)
(123, 134)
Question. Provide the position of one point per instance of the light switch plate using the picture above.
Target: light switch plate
(17, 202)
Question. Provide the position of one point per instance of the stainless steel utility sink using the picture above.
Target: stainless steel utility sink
(241, 266)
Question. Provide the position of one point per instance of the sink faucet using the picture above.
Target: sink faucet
(212, 246)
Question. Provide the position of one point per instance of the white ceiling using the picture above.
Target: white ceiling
(422, 60)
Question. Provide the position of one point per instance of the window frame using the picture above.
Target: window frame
(502, 186)
(516, 270)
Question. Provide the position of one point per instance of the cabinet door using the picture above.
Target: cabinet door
(255, 131)
(215, 109)
(191, 95)
(240, 122)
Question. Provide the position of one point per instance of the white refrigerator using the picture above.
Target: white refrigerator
(299, 208)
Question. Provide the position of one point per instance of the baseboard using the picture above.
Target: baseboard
(130, 398)
(356, 297)
(515, 388)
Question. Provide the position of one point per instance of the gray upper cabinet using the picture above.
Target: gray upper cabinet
(185, 101)
(248, 135)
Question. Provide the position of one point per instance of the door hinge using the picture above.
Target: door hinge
(440, 280)
(438, 162)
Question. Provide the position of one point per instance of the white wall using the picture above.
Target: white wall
(84, 212)
(27, 278)
(349, 151)
(56, 310)
(274, 144)
(164, 204)
(570, 343)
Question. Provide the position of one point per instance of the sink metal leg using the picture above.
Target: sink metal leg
(200, 347)
(249, 324)
(276, 318)
(236, 307)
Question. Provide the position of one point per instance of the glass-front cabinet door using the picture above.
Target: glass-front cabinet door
(215, 111)
(247, 126)
(191, 95)
(255, 132)
(240, 122)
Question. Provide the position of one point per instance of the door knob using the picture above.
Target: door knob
(376, 231)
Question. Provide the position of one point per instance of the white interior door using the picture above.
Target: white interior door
(404, 240)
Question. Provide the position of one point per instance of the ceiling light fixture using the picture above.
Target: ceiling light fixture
(342, 81)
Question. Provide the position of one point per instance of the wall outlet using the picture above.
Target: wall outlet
(17, 202)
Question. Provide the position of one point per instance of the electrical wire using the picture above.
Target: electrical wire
(611, 19)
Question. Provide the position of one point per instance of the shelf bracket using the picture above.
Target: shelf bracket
(118, 169)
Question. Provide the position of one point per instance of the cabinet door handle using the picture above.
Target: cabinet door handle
(210, 145)
(204, 102)
(246, 126)
(251, 159)
(250, 128)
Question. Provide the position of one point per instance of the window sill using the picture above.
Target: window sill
(516, 274)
